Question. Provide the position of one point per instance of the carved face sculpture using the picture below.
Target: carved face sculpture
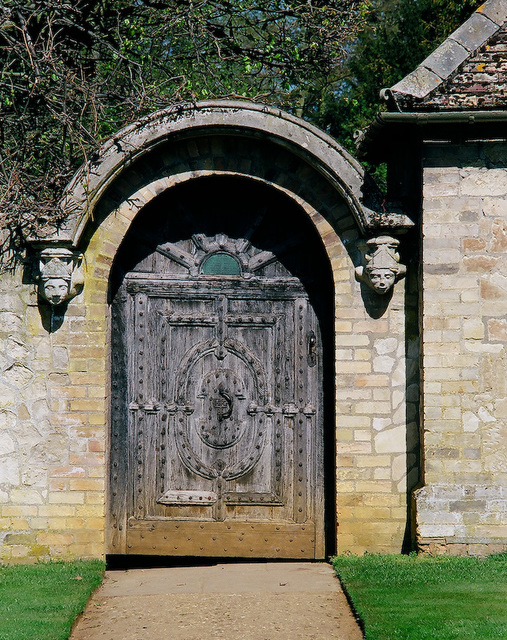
(381, 279)
(383, 267)
(59, 275)
(55, 290)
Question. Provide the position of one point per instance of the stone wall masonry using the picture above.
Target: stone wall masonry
(462, 520)
(464, 340)
(377, 418)
(54, 385)
(51, 431)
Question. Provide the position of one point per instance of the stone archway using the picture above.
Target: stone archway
(142, 141)
(186, 146)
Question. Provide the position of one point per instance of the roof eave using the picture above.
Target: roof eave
(390, 131)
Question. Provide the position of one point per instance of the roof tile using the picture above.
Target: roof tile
(474, 32)
(495, 10)
(444, 60)
(418, 83)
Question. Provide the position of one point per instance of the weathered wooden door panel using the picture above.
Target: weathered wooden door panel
(222, 414)
(235, 539)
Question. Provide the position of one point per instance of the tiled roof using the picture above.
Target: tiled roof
(468, 71)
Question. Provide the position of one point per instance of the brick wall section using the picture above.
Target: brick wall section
(464, 501)
(55, 386)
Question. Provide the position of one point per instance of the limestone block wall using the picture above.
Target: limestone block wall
(24, 415)
(377, 364)
(52, 436)
(463, 505)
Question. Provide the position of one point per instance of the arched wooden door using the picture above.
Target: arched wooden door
(216, 406)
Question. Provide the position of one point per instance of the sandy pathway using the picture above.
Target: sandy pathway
(259, 601)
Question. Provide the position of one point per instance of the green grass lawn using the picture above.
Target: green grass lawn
(41, 601)
(422, 598)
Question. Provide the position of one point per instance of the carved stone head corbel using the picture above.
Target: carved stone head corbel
(60, 275)
(383, 268)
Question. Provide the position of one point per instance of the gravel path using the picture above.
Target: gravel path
(258, 601)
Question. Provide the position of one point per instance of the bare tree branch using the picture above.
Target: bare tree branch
(72, 74)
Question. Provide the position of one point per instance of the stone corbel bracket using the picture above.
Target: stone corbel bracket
(382, 267)
(59, 274)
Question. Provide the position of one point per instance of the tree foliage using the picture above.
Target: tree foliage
(72, 73)
(398, 36)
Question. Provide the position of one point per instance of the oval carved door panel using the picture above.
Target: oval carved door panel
(215, 407)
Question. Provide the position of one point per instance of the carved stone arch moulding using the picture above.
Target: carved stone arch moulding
(309, 143)
(58, 270)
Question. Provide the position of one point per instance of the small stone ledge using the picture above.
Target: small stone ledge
(443, 547)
